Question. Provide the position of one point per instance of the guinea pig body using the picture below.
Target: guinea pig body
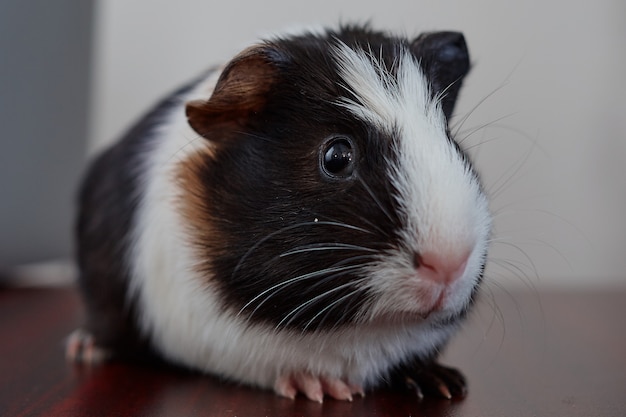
(299, 219)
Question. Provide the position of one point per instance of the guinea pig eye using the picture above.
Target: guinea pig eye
(337, 158)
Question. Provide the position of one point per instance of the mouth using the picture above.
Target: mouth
(431, 307)
(429, 298)
(423, 307)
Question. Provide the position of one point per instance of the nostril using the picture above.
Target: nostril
(426, 264)
(420, 263)
(417, 260)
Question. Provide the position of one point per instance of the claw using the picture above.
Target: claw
(311, 387)
(444, 391)
(285, 388)
(412, 385)
(315, 388)
(433, 379)
(337, 389)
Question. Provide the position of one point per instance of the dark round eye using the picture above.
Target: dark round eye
(337, 157)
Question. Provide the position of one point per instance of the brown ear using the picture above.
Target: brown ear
(240, 92)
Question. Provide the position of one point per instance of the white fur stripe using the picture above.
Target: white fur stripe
(382, 99)
(442, 206)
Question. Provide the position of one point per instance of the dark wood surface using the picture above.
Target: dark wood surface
(524, 353)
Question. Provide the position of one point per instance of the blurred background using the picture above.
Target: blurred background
(543, 113)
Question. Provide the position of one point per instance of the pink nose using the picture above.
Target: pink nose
(441, 268)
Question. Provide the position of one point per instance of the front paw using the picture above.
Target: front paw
(430, 379)
(315, 387)
(80, 347)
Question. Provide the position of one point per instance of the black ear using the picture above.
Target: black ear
(240, 92)
(445, 60)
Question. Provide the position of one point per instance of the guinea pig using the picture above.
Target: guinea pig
(300, 219)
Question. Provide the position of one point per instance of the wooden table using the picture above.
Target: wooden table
(524, 353)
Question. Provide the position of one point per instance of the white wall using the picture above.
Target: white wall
(551, 73)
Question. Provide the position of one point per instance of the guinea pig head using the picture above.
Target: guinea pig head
(333, 194)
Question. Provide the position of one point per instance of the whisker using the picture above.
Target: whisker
(364, 220)
(442, 94)
(176, 153)
(541, 243)
(497, 187)
(480, 144)
(343, 262)
(330, 307)
(302, 307)
(346, 307)
(521, 133)
(497, 317)
(493, 123)
(316, 247)
(259, 137)
(569, 223)
(373, 196)
(531, 264)
(336, 270)
(516, 269)
(461, 122)
(288, 228)
(281, 285)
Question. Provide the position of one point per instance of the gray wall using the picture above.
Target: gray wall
(45, 51)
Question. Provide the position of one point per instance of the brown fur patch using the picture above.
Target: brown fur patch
(194, 201)
(240, 92)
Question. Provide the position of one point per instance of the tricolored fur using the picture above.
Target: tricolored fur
(293, 213)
